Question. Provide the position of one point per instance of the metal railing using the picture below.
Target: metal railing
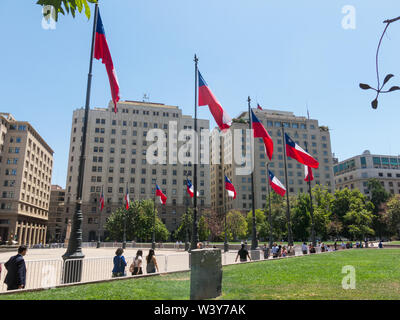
(52, 273)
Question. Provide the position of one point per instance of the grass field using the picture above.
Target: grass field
(308, 277)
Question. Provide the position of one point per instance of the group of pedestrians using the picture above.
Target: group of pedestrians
(136, 268)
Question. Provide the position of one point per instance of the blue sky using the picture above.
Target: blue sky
(284, 54)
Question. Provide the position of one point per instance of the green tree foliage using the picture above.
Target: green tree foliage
(301, 218)
(354, 211)
(236, 226)
(279, 221)
(204, 230)
(185, 226)
(391, 216)
(379, 196)
(139, 223)
(261, 226)
(67, 6)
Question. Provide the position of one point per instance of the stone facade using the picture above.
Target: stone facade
(300, 129)
(56, 213)
(354, 173)
(25, 179)
(116, 156)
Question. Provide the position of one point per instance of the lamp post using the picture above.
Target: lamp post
(73, 257)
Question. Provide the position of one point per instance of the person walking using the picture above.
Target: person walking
(304, 248)
(335, 245)
(275, 250)
(119, 264)
(136, 266)
(152, 265)
(243, 254)
(380, 245)
(16, 270)
(265, 250)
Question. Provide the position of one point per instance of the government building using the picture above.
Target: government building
(301, 129)
(355, 172)
(26, 164)
(116, 158)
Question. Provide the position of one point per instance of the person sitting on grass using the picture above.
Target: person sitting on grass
(243, 254)
(312, 249)
(152, 265)
(119, 264)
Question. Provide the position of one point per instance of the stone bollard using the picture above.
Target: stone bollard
(205, 274)
(255, 255)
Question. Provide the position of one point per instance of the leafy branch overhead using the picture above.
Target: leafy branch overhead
(66, 6)
(379, 88)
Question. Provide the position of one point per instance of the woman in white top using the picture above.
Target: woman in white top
(136, 266)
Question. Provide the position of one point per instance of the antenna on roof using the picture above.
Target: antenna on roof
(146, 97)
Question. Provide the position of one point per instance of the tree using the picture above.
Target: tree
(279, 221)
(391, 216)
(185, 226)
(260, 223)
(215, 223)
(323, 212)
(204, 230)
(301, 218)
(354, 211)
(236, 225)
(62, 6)
(139, 222)
(378, 197)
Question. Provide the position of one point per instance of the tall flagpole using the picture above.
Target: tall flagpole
(290, 237)
(195, 233)
(254, 243)
(311, 206)
(153, 237)
(98, 237)
(226, 244)
(126, 213)
(270, 210)
(73, 269)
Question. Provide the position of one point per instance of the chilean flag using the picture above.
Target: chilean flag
(260, 132)
(159, 193)
(294, 151)
(259, 107)
(230, 188)
(275, 184)
(101, 51)
(190, 188)
(102, 201)
(308, 174)
(206, 97)
(127, 199)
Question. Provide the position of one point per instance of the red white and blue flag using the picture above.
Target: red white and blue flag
(101, 51)
(126, 200)
(230, 188)
(260, 132)
(308, 174)
(294, 151)
(259, 107)
(102, 200)
(206, 97)
(190, 188)
(275, 184)
(159, 193)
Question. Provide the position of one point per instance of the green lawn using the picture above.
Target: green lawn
(309, 277)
